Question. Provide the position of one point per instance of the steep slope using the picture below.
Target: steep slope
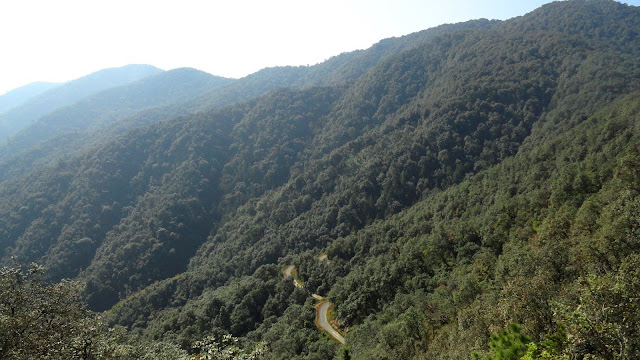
(348, 67)
(20, 117)
(22, 94)
(100, 110)
(338, 70)
(508, 245)
(499, 86)
(101, 184)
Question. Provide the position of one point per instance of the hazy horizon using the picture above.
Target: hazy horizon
(68, 39)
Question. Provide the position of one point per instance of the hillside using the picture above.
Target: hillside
(22, 116)
(20, 155)
(459, 182)
(22, 94)
(336, 71)
(101, 110)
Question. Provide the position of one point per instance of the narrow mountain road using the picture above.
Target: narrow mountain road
(322, 308)
(323, 322)
(288, 271)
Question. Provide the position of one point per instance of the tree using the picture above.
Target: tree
(508, 344)
(604, 323)
(226, 348)
(43, 321)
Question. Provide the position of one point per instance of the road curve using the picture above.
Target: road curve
(322, 322)
(288, 271)
(321, 309)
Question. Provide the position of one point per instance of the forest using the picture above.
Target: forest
(475, 188)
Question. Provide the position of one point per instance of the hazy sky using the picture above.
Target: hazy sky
(45, 40)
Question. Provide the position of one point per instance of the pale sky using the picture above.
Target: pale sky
(46, 40)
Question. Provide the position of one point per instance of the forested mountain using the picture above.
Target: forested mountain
(22, 94)
(481, 176)
(82, 122)
(19, 156)
(336, 71)
(20, 117)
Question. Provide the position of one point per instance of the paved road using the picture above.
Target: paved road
(321, 309)
(321, 320)
(288, 271)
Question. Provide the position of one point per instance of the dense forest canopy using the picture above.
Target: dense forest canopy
(475, 188)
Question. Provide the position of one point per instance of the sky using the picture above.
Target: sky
(45, 40)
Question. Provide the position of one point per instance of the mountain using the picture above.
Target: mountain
(462, 184)
(20, 117)
(22, 94)
(99, 111)
(336, 71)
(20, 156)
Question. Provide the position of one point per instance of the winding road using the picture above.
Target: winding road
(321, 309)
(321, 320)
(288, 271)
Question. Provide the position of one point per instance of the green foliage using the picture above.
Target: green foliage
(226, 348)
(90, 121)
(508, 344)
(604, 323)
(533, 353)
(49, 321)
(42, 321)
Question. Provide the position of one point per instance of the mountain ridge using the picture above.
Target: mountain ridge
(17, 118)
(335, 71)
(107, 106)
(18, 96)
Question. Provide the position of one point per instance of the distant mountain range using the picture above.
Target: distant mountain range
(22, 94)
(23, 115)
(100, 110)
